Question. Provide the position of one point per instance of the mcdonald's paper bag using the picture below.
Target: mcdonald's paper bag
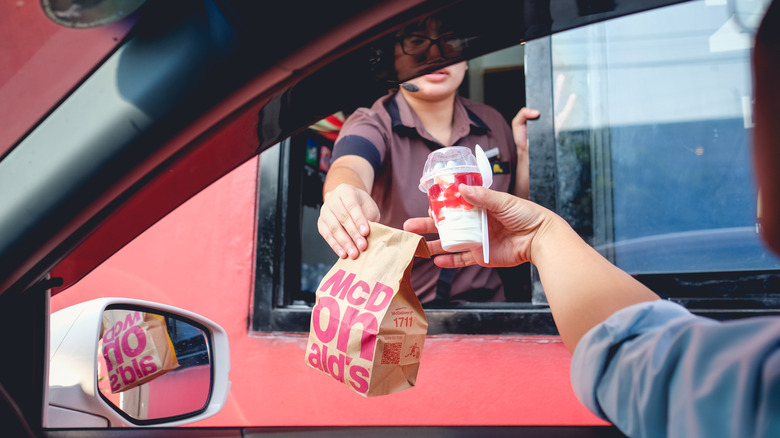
(367, 325)
(136, 348)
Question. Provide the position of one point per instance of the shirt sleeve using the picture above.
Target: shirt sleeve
(364, 135)
(655, 370)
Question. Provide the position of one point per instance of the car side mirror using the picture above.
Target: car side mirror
(81, 14)
(117, 362)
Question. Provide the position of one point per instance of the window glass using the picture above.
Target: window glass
(316, 256)
(653, 125)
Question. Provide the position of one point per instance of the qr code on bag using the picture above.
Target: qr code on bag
(392, 353)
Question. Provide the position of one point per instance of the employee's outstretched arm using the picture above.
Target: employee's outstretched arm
(347, 206)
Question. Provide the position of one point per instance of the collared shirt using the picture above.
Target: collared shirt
(392, 138)
(656, 370)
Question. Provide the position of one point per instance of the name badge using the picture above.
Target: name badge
(501, 168)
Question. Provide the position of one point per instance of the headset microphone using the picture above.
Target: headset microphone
(410, 87)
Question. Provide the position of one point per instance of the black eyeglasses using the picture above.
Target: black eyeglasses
(449, 45)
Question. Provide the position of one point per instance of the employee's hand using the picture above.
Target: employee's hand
(520, 134)
(344, 217)
(513, 224)
(520, 128)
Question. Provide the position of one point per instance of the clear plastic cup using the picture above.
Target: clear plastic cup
(459, 223)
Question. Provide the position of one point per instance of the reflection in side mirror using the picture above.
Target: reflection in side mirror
(118, 362)
(152, 366)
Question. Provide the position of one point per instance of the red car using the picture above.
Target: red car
(170, 155)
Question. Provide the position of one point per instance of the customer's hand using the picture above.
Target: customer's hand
(513, 224)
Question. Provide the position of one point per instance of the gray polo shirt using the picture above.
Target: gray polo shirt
(392, 138)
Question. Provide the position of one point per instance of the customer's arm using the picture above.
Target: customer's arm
(582, 287)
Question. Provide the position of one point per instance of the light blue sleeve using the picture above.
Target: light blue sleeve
(656, 370)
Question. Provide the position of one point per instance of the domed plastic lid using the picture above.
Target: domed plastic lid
(447, 161)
